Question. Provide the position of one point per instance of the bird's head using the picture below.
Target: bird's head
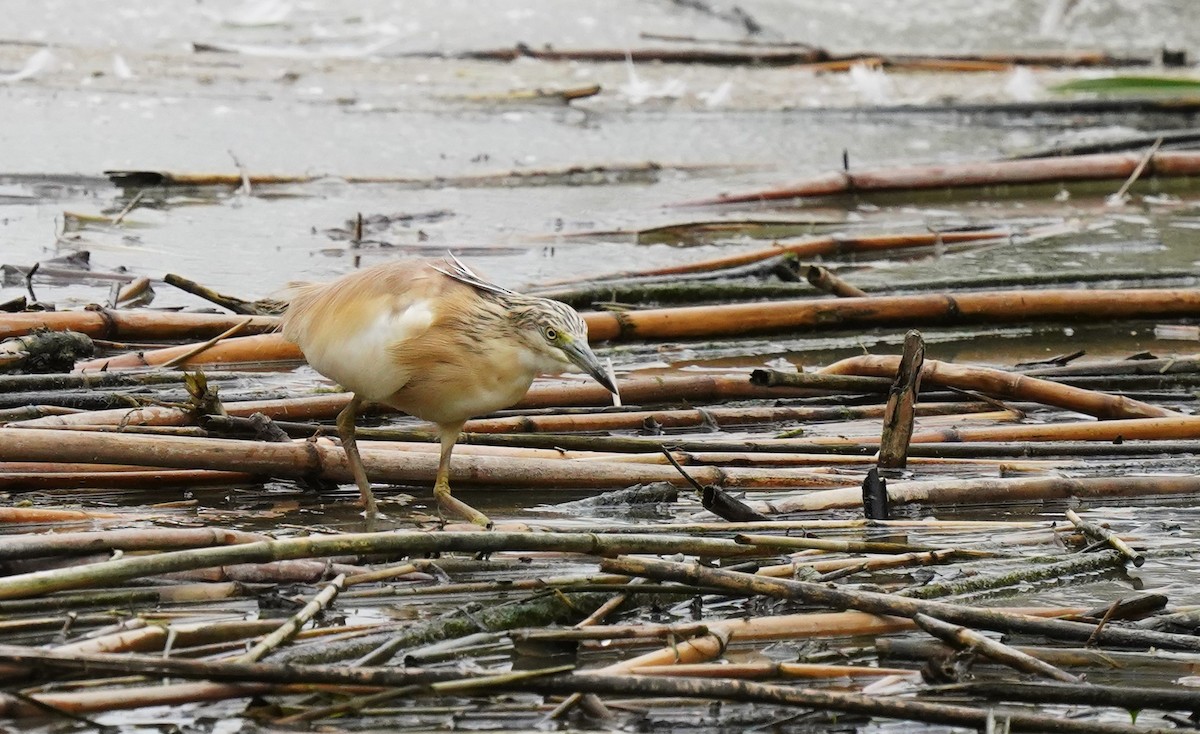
(553, 332)
(556, 332)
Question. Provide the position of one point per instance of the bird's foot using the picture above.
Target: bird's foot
(366, 500)
(451, 506)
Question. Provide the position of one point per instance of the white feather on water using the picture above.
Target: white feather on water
(872, 84)
(39, 62)
(121, 68)
(638, 90)
(1022, 85)
(717, 97)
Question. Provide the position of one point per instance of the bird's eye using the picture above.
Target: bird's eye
(550, 333)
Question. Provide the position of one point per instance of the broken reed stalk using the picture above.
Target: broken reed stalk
(823, 280)
(927, 525)
(891, 604)
(146, 637)
(320, 459)
(991, 491)
(98, 380)
(966, 639)
(266, 675)
(750, 671)
(853, 546)
(293, 624)
(705, 288)
(133, 479)
(1137, 171)
(296, 571)
(667, 389)
(1114, 432)
(1133, 698)
(820, 381)
(1031, 572)
(1103, 535)
(1005, 385)
(564, 583)
(892, 649)
(804, 625)
(826, 246)
(708, 416)
(409, 542)
(843, 567)
(117, 324)
(573, 175)
(962, 308)
(232, 303)
(132, 540)
(1159, 366)
(34, 515)
(804, 56)
(110, 598)
(901, 405)
(241, 350)
(383, 642)
(1061, 169)
(205, 346)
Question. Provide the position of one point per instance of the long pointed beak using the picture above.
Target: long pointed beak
(582, 356)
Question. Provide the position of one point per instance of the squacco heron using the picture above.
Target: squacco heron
(437, 341)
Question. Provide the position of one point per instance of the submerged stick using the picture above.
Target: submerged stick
(747, 671)
(1104, 535)
(1029, 573)
(408, 542)
(828, 246)
(237, 305)
(569, 175)
(666, 389)
(1005, 385)
(822, 279)
(710, 415)
(293, 624)
(992, 491)
(966, 639)
(890, 604)
(1062, 169)
(1134, 698)
(322, 459)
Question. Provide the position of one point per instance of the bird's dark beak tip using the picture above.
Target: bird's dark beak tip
(609, 385)
(601, 376)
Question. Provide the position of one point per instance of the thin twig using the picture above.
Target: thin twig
(1107, 537)
(1137, 172)
(205, 346)
(137, 198)
(295, 622)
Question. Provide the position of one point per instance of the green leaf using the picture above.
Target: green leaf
(1130, 84)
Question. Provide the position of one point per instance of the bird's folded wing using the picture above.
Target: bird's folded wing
(352, 336)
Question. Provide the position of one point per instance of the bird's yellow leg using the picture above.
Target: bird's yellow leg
(441, 488)
(345, 424)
